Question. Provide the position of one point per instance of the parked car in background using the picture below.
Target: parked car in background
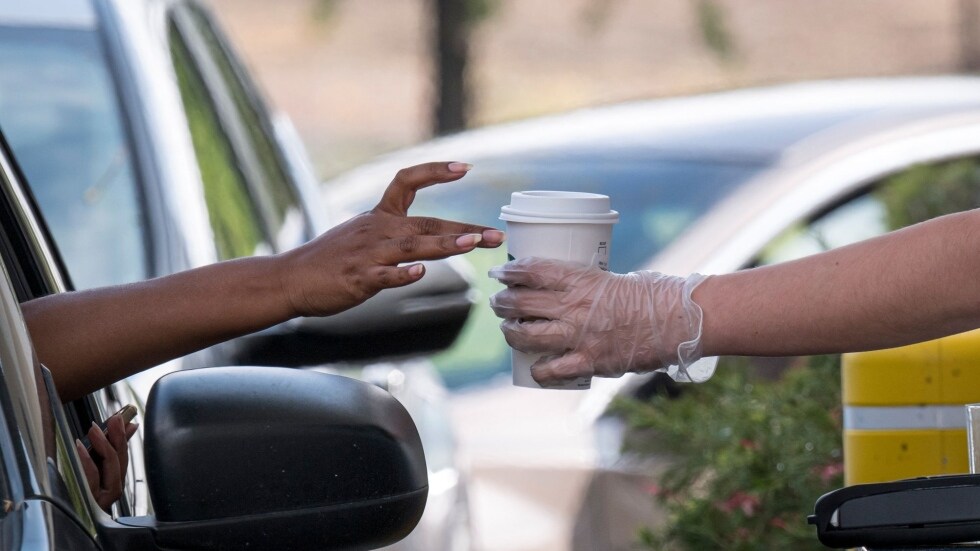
(150, 151)
(712, 184)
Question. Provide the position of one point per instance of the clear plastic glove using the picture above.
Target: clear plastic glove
(589, 322)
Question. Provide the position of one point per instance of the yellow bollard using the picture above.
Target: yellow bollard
(903, 409)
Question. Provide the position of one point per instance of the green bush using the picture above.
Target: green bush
(749, 456)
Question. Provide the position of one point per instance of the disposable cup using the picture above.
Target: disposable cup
(563, 225)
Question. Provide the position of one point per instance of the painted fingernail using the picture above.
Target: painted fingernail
(416, 270)
(459, 167)
(468, 240)
(494, 236)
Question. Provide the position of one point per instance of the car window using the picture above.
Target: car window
(61, 115)
(913, 195)
(234, 221)
(35, 443)
(248, 127)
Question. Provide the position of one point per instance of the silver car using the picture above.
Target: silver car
(712, 184)
(150, 151)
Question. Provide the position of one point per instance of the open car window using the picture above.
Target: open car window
(61, 114)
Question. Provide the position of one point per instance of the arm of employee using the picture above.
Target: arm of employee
(911, 285)
(90, 339)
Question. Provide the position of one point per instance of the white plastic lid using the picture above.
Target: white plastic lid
(558, 207)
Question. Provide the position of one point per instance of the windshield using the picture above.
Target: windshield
(656, 198)
(60, 113)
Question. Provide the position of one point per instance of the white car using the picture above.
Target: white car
(712, 184)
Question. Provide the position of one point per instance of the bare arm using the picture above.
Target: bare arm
(908, 286)
(92, 338)
(911, 285)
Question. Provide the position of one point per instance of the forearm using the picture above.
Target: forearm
(912, 285)
(90, 339)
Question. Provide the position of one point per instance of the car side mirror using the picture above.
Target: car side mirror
(423, 317)
(267, 458)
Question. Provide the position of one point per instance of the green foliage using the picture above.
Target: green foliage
(480, 10)
(750, 456)
(324, 10)
(714, 30)
(927, 191)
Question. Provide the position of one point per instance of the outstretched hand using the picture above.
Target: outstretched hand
(92, 338)
(380, 248)
(588, 322)
(107, 470)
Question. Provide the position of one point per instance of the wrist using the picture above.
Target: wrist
(285, 294)
(707, 296)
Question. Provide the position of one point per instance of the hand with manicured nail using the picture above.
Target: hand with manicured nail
(106, 471)
(353, 261)
(90, 339)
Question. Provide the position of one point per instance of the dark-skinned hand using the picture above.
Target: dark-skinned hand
(380, 248)
(105, 468)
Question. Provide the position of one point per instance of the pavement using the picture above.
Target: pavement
(536, 480)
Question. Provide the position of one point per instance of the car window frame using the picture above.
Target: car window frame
(182, 17)
(36, 269)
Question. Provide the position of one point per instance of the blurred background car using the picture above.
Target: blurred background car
(150, 151)
(712, 184)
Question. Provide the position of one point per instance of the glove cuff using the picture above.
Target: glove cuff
(690, 366)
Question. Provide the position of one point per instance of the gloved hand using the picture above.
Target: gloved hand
(590, 322)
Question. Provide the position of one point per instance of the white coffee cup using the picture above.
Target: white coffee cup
(564, 225)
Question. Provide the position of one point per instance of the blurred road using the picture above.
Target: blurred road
(535, 485)
(529, 460)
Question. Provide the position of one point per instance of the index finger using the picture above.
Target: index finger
(401, 191)
(537, 273)
(422, 225)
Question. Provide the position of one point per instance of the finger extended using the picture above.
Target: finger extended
(416, 247)
(387, 277)
(401, 191)
(423, 225)
(526, 303)
(557, 370)
(538, 337)
(537, 273)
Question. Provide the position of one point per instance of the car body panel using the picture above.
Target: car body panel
(44, 505)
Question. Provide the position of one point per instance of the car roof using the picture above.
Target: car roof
(764, 126)
(48, 13)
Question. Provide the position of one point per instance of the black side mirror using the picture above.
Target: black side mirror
(263, 458)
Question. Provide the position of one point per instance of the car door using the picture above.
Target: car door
(45, 500)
